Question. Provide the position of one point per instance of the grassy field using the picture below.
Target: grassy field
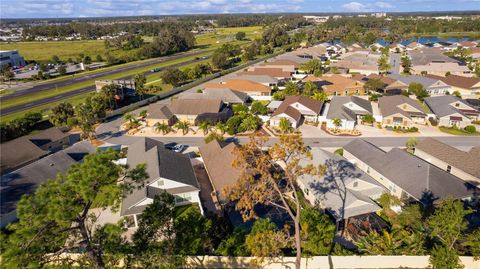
(44, 51)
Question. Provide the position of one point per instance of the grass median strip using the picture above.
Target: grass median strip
(56, 91)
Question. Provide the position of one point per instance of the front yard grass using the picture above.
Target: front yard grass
(457, 131)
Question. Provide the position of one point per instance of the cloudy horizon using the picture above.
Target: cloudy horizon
(112, 8)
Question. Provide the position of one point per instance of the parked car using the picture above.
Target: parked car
(155, 70)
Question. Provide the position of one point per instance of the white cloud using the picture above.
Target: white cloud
(383, 5)
(355, 7)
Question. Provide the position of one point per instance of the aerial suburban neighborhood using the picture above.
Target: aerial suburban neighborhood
(240, 134)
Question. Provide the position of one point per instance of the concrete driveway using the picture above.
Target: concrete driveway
(312, 131)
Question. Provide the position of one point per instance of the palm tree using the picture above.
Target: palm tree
(337, 123)
(284, 125)
(320, 96)
(214, 136)
(411, 143)
(222, 127)
(184, 126)
(205, 126)
(162, 127)
(132, 122)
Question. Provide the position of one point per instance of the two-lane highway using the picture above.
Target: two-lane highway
(87, 89)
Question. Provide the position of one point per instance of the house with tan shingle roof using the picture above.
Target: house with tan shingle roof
(185, 110)
(464, 85)
(338, 85)
(242, 85)
(276, 72)
(401, 111)
(296, 109)
(462, 164)
(442, 69)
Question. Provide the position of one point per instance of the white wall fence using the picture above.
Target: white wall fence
(321, 262)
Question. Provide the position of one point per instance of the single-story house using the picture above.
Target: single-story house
(262, 79)
(276, 72)
(442, 69)
(228, 96)
(399, 110)
(343, 190)
(464, 85)
(337, 85)
(432, 86)
(349, 109)
(167, 171)
(27, 179)
(462, 164)
(362, 62)
(242, 85)
(27, 149)
(405, 175)
(452, 111)
(414, 46)
(183, 110)
(286, 65)
(295, 109)
(396, 47)
(218, 158)
(390, 86)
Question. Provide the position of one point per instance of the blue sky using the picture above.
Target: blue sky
(95, 8)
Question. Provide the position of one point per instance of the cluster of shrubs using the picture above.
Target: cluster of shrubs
(401, 129)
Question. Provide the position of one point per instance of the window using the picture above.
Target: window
(184, 197)
(449, 168)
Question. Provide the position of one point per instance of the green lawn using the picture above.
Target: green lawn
(455, 131)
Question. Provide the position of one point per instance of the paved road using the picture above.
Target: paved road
(395, 60)
(65, 95)
(109, 132)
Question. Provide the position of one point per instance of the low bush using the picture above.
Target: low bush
(470, 129)
(433, 121)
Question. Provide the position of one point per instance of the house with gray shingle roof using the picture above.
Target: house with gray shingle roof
(167, 171)
(432, 86)
(344, 190)
(462, 164)
(27, 179)
(349, 109)
(401, 111)
(452, 111)
(405, 175)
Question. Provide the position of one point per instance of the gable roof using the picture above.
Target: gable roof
(160, 163)
(314, 105)
(337, 108)
(25, 149)
(335, 83)
(273, 72)
(27, 179)
(226, 95)
(242, 85)
(458, 81)
(468, 162)
(159, 111)
(218, 159)
(425, 81)
(258, 78)
(195, 106)
(282, 62)
(339, 172)
(440, 105)
(388, 105)
(414, 175)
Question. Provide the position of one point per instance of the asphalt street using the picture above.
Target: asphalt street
(65, 95)
(109, 132)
